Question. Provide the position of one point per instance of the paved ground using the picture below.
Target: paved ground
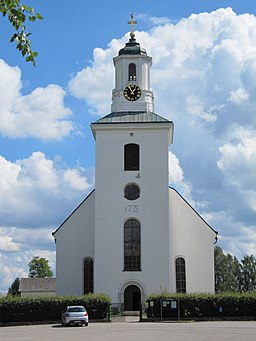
(135, 331)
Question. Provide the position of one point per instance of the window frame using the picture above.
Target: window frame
(180, 272)
(131, 157)
(88, 275)
(132, 245)
(132, 72)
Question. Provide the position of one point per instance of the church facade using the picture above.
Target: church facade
(133, 235)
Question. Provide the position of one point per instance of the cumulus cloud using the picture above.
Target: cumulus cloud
(203, 78)
(37, 185)
(40, 114)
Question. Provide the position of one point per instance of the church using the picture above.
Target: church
(133, 235)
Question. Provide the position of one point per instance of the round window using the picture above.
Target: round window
(131, 192)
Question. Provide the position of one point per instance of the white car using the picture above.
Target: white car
(75, 315)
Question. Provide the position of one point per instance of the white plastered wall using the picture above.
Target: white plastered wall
(74, 242)
(193, 239)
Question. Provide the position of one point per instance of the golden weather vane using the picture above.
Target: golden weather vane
(132, 22)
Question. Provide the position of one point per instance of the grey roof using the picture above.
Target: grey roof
(132, 117)
(37, 284)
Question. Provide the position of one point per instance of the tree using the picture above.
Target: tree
(14, 288)
(248, 273)
(39, 267)
(227, 271)
(17, 15)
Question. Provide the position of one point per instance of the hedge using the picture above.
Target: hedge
(203, 306)
(31, 309)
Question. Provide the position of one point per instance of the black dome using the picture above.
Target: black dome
(132, 47)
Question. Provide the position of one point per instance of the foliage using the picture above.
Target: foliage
(39, 267)
(207, 306)
(17, 15)
(248, 273)
(232, 275)
(49, 308)
(14, 288)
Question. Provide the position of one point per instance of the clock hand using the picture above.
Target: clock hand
(132, 91)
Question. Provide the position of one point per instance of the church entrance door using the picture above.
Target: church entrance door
(132, 298)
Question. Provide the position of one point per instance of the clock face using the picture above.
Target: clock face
(132, 92)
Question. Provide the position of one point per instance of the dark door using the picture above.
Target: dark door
(132, 298)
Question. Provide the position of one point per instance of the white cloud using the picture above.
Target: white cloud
(238, 163)
(75, 180)
(7, 244)
(37, 185)
(40, 114)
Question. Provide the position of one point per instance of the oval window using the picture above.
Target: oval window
(132, 192)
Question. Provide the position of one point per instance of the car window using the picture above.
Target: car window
(76, 309)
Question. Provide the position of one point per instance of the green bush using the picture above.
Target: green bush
(31, 309)
(205, 306)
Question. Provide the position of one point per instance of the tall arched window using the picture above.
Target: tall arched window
(88, 275)
(132, 72)
(132, 245)
(131, 156)
(180, 275)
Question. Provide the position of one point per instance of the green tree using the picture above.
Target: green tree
(227, 271)
(39, 267)
(248, 273)
(14, 288)
(17, 15)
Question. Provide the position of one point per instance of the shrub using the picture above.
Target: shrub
(31, 309)
(204, 306)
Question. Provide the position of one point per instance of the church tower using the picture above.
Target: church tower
(133, 235)
(131, 197)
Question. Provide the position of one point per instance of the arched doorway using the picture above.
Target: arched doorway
(132, 298)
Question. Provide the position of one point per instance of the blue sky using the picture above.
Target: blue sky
(203, 77)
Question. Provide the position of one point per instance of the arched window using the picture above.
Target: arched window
(88, 276)
(132, 72)
(132, 245)
(131, 157)
(180, 275)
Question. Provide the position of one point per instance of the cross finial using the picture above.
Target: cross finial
(132, 22)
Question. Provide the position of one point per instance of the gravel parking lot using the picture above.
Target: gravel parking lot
(127, 331)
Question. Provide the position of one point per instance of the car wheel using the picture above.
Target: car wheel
(86, 324)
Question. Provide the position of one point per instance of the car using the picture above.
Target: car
(75, 314)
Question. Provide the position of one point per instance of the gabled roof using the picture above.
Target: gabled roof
(36, 284)
(132, 117)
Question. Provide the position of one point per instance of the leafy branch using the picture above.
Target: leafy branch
(17, 15)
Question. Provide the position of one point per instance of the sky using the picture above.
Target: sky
(203, 78)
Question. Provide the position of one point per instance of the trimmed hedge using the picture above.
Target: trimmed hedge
(205, 306)
(36, 309)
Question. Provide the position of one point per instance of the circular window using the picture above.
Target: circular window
(131, 192)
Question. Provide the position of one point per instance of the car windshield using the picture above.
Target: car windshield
(76, 309)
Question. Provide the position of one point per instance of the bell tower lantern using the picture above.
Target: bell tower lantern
(132, 78)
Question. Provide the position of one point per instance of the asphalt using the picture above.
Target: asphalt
(133, 330)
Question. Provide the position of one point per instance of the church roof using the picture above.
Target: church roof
(37, 284)
(132, 117)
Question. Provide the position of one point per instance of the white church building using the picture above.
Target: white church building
(133, 235)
